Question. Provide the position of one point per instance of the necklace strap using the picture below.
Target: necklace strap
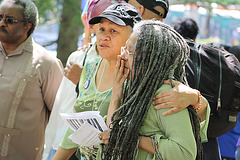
(94, 101)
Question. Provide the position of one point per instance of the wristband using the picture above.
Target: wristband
(199, 104)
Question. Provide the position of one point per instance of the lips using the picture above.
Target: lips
(103, 46)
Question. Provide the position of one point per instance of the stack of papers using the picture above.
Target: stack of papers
(87, 126)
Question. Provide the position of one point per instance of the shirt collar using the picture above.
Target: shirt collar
(27, 45)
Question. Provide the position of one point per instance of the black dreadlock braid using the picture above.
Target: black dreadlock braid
(160, 54)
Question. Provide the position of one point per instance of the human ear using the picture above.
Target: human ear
(141, 9)
(27, 27)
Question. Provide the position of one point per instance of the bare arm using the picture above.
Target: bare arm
(202, 112)
(63, 154)
(73, 72)
(178, 98)
(117, 93)
(117, 90)
(87, 32)
(145, 143)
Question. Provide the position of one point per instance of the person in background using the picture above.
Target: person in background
(29, 79)
(228, 142)
(188, 29)
(234, 50)
(237, 152)
(93, 8)
(66, 94)
(96, 78)
(151, 9)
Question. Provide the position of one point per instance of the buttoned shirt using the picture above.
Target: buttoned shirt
(34, 105)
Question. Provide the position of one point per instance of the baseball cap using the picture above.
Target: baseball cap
(122, 14)
(150, 4)
(96, 7)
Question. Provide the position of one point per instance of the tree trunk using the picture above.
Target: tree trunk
(69, 31)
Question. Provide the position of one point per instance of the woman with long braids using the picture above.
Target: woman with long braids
(154, 53)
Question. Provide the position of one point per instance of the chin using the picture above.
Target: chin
(103, 54)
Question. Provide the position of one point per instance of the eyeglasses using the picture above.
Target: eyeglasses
(11, 20)
(125, 52)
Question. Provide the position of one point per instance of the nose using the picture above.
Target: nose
(105, 36)
(2, 22)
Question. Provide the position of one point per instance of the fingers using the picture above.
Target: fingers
(83, 18)
(125, 76)
(70, 63)
(83, 48)
(123, 57)
(100, 137)
(162, 105)
(171, 111)
(105, 140)
(65, 72)
(159, 98)
(76, 67)
(115, 74)
(175, 83)
(73, 67)
(104, 136)
(73, 71)
(119, 74)
(167, 82)
(79, 49)
(118, 63)
(121, 67)
(174, 108)
(124, 72)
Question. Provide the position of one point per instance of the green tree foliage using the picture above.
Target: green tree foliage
(44, 5)
(47, 7)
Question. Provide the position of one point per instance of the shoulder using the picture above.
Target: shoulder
(74, 55)
(163, 88)
(46, 65)
(159, 112)
(44, 57)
